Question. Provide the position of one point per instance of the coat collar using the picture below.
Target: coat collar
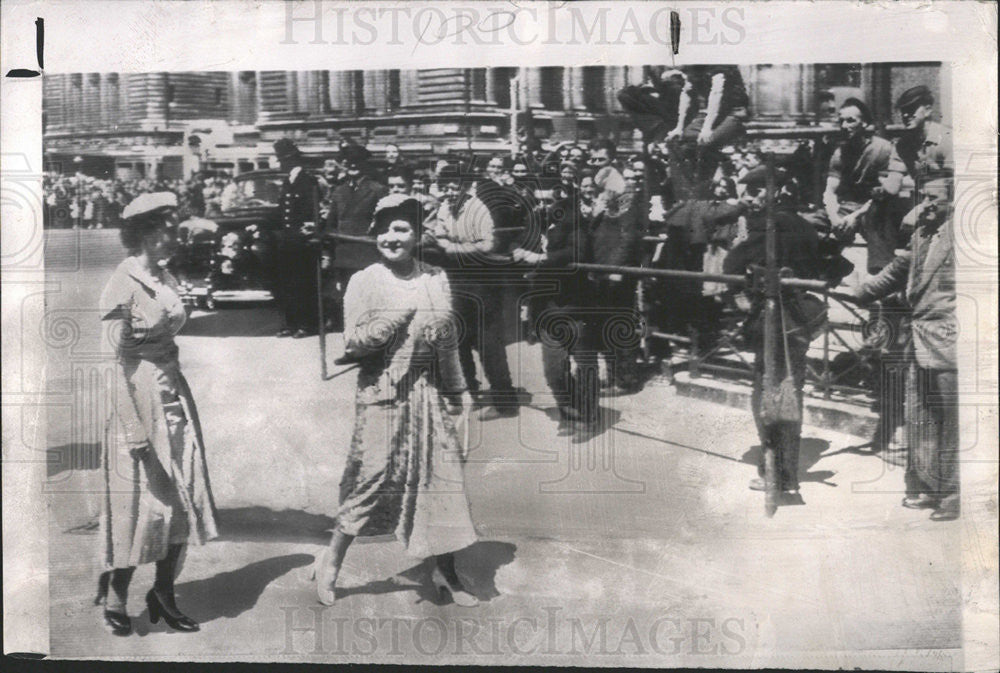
(136, 271)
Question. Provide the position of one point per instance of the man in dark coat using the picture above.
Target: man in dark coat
(689, 226)
(352, 205)
(803, 315)
(296, 257)
(560, 316)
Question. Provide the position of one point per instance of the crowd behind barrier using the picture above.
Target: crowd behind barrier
(678, 229)
(534, 173)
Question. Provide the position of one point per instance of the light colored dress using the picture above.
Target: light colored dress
(162, 497)
(404, 472)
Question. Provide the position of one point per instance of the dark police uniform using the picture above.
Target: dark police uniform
(295, 259)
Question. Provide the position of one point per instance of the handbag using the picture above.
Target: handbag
(782, 405)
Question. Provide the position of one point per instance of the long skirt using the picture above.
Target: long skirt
(163, 497)
(404, 474)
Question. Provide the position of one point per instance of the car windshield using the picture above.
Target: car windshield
(261, 190)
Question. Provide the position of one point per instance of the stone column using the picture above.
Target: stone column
(408, 87)
(156, 97)
(533, 81)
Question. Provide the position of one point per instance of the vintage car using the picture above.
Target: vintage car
(225, 257)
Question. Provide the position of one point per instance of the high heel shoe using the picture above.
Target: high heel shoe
(118, 623)
(459, 595)
(325, 575)
(174, 618)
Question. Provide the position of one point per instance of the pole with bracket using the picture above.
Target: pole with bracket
(772, 287)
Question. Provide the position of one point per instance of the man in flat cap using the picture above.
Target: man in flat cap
(352, 205)
(296, 258)
(925, 272)
(924, 151)
(802, 314)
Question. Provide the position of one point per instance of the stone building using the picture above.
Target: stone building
(172, 124)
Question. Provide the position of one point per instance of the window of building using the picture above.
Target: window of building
(395, 90)
(358, 89)
(551, 94)
(831, 75)
(501, 85)
(477, 84)
(594, 98)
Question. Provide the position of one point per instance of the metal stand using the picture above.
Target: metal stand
(319, 291)
(772, 288)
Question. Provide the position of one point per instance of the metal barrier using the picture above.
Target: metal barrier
(726, 356)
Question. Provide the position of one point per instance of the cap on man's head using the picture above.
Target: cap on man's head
(284, 148)
(354, 154)
(449, 173)
(911, 98)
(757, 177)
(148, 203)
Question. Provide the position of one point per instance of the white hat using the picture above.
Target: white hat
(147, 203)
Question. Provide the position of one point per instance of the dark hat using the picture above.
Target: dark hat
(757, 177)
(284, 148)
(396, 207)
(450, 173)
(918, 95)
(354, 154)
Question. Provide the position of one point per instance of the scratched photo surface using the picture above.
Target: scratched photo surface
(592, 362)
(631, 540)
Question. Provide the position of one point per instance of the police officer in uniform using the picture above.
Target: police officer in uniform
(295, 256)
(352, 206)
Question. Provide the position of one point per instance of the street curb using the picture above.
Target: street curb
(828, 414)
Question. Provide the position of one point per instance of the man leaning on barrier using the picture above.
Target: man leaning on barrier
(803, 315)
(926, 273)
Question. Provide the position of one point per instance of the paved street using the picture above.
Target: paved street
(640, 546)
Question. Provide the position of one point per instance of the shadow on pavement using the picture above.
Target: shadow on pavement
(229, 594)
(811, 449)
(259, 524)
(477, 565)
(258, 321)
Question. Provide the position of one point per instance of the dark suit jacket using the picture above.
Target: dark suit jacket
(697, 221)
(298, 200)
(616, 235)
(351, 211)
(798, 249)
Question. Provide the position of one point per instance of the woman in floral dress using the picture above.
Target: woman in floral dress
(404, 472)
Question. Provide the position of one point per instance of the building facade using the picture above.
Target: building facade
(172, 124)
